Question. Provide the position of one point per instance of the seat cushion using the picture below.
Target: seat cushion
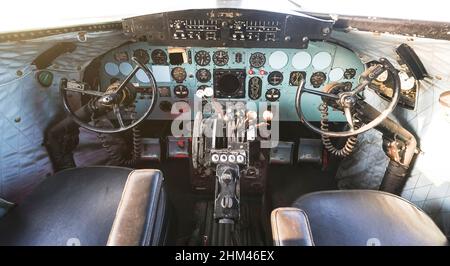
(73, 207)
(367, 217)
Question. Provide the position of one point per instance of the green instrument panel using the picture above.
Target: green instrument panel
(270, 74)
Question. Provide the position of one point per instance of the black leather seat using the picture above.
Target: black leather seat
(91, 206)
(356, 218)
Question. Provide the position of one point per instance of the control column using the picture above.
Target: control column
(227, 194)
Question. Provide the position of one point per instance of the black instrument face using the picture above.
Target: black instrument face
(220, 58)
(181, 91)
(254, 88)
(296, 77)
(257, 60)
(202, 58)
(349, 73)
(159, 57)
(238, 58)
(178, 74)
(317, 79)
(275, 78)
(203, 75)
(142, 56)
(229, 83)
(273, 94)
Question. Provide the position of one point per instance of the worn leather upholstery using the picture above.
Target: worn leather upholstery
(358, 218)
(79, 205)
(290, 227)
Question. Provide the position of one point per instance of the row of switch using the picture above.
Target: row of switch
(228, 158)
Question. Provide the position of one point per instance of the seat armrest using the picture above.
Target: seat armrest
(136, 216)
(290, 227)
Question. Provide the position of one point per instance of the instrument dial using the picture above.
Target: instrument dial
(121, 56)
(238, 58)
(275, 78)
(203, 75)
(181, 91)
(317, 79)
(254, 88)
(142, 56)
(178, 74)
(159, 57)
(257, 60)
(349, 73)
(296, 77)
(273, 94)
(202, 58)
(220, 58)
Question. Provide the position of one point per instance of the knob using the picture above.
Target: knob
(240, 159)
(231, 158)
(215, 158)
(223, 158)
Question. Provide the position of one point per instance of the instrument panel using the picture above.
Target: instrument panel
(236, 74)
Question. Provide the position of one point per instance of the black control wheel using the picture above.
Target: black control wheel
(109, 104)
(347, 100)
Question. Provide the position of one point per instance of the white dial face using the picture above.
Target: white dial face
(406, 81)
(111, 69)
(209, 91)
(301, 60)
(336, 74)
(278, 60)
(321, 60)
(200, 93)
(383, 76)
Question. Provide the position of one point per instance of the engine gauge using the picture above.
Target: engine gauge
(159, 57)
(202, 58)
(275, 78)
(181, 91)
(220, 57)
(178, 74)
(121, 56)
(296, 77)
(238, 58)
(203, 75)
(257, 60)
(349, 73)
(142, 56)
(317, 79)
(273, 94)
(254, 88)
(407, 82)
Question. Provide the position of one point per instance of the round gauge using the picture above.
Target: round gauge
(275, 78)
(165, 106)
(296, 77)
(383, 76)
(121, 56)
(257, 60)
(301, 60)
(273, 94)
(220, 58)
(202, 58)
(111, 69)
(321, 60)
(349, 73)
(278, 59)
(159, 57)
(406, 81)
(317, 79)
(203, 75)
(142, 56)
(336, 74)
(125, 68)
(181, 91)
(254, 88)
(178, 74)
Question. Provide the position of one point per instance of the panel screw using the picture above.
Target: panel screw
(17, 119)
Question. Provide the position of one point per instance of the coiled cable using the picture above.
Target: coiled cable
(118, 158)
(350, 143)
